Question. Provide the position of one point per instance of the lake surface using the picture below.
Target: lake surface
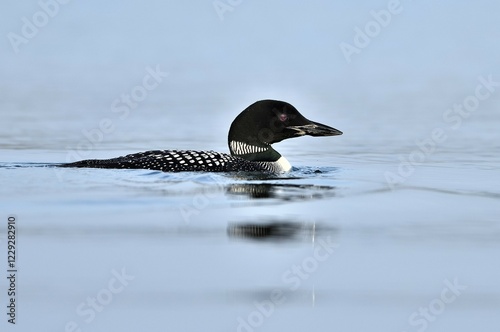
(393, 226)
(210, 251)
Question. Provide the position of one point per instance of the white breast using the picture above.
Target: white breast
(283, 164)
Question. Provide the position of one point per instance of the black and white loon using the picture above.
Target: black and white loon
(250, 137)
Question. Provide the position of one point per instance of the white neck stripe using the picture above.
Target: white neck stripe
(244, 148)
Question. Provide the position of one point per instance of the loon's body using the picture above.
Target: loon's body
(250, 138)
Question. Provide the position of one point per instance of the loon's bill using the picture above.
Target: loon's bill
(250, 137)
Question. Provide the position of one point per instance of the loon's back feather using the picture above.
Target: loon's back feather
(178, 161)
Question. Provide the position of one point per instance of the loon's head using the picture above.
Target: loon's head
(266, 122)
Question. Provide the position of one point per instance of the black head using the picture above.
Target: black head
(270, 121)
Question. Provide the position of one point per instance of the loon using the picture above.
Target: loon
(250, 137)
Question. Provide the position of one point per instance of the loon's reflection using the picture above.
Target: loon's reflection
(276, 231)
(285, 192)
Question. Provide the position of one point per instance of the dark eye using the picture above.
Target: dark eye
(283, 117)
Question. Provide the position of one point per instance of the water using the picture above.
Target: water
(393, 226)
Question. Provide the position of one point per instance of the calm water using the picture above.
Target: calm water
(218, 246)
(393, 226)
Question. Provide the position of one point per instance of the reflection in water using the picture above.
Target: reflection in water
(275, 231)
(285, 192)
